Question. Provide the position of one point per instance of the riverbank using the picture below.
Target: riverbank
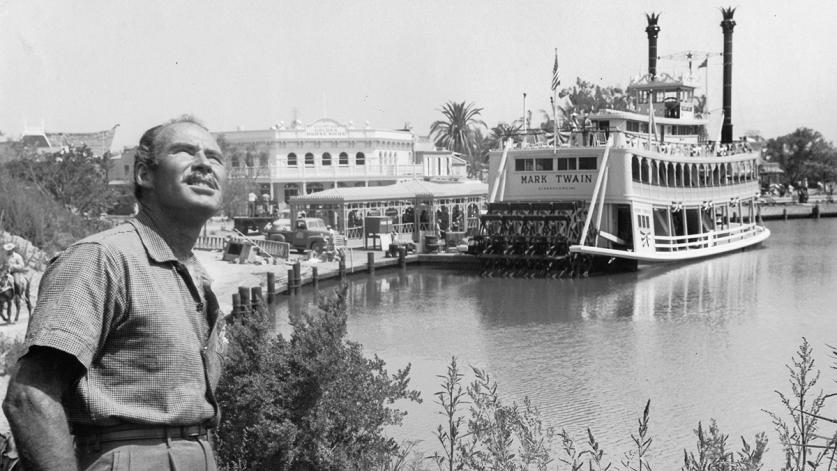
(781, 211)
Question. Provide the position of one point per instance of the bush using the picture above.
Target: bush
(10, 350)
(27, 212)
(513, 437)
(309, 402)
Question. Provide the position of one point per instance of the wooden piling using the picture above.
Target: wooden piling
(315, 278)
(370, 262)
(244, 297)
(297, 277)
(402, 257)
(271, 287)
(236, 302)
(341, 269)
(785, 214)
(815, 211)
(256, 296)
(290, 280)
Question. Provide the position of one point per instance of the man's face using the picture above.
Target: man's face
(190, 173)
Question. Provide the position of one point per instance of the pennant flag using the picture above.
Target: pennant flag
(704, 63)
(556, 77)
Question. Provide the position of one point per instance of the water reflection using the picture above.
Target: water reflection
(702, 340)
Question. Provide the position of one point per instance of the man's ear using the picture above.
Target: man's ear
(144, 177)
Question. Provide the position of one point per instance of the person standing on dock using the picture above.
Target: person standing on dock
(122, 352)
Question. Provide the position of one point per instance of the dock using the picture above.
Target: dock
(786, 211)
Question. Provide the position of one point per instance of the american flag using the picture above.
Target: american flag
(556, 77)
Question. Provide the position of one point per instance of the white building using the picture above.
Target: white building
(304, 159)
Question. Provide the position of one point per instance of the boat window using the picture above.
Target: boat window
(634, 168)
(587, 163)
(524, 165)
(567, 163)
(662, 227)
(543, 164)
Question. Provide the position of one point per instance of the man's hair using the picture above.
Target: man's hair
(147, 151)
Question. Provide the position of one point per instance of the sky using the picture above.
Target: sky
(84, 66)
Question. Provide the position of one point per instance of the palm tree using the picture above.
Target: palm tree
(456, 131)
(504, 131)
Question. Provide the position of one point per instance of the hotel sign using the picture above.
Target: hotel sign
(326, 131)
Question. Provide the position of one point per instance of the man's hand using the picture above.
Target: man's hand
(33, 407)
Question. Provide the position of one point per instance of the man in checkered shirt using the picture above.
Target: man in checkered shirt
(122, 350)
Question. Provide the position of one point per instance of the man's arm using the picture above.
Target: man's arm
(33, 407)
(16, 263)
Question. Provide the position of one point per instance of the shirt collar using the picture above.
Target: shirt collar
(157, 248)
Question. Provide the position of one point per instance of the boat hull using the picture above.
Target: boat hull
(755, 238)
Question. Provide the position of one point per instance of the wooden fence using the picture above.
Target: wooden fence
(275, 249)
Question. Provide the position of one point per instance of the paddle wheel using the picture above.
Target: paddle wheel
(529, 240)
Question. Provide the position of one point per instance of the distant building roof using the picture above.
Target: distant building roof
(405, 190)
(99, 142)
(770, 167)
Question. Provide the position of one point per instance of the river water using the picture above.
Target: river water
(709, 339)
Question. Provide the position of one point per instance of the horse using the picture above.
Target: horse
(11, 290)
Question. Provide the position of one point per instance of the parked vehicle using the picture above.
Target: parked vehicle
(305, 234)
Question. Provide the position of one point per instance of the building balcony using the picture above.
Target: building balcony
(332, 172)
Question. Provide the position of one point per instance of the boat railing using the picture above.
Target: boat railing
(574, 138)
(640, 141)
(736, 232)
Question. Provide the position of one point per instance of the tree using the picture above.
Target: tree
(505, 131)
(456, 131)
(73, 176)
(236, 187)
(482, 146)
(803, 154)
(312, 401)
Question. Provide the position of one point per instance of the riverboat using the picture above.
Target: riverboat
(644, 184)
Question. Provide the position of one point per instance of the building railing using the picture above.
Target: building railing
(210, 243)
(405, 228)
(284, 173)
(355, 232)
(272, 247)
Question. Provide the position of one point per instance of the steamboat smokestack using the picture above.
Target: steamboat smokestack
(727, 25)
(652, 30)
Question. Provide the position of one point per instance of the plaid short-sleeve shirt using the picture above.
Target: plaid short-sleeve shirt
(144, 328)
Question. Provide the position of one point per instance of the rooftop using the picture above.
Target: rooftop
(405, 190)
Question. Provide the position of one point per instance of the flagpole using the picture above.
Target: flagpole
(556, 81)
(554, 125)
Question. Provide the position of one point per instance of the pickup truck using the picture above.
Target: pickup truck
(303, 234)
(251, 225)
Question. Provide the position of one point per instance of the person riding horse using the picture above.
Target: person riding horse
(16, 269)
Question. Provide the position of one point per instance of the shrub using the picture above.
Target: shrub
(10, 350)
(312, 401)
(29, 213)
(803, 406)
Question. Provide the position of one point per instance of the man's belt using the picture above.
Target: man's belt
(95, 435)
